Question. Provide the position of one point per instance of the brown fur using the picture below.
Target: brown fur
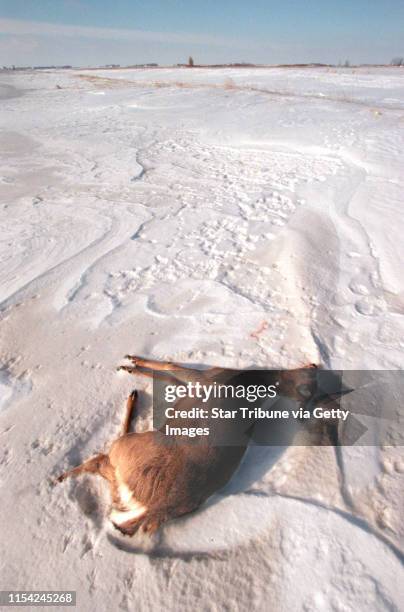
(170, 479)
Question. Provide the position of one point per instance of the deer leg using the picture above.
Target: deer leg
(159, 366)
(148, 373)
(143, 365)
(130, 406)
(148, 523)
(95, 465)
(129, 528)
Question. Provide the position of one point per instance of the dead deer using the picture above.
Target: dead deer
(151, 481)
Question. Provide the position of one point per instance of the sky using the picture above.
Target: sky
(99, 32)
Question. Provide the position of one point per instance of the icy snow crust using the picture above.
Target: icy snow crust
(233, 217)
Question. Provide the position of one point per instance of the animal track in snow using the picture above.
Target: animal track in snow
(250, 194)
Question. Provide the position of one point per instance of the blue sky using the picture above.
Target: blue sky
(89, 32)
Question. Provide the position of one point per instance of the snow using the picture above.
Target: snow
(172, 213)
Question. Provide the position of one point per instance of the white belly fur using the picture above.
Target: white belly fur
(134, 508)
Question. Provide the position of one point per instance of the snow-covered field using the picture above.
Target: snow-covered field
(237, 217)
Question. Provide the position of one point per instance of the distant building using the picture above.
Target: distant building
(51, 67)
(149, 65)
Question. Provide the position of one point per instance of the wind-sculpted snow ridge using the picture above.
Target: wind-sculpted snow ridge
(220, 224)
